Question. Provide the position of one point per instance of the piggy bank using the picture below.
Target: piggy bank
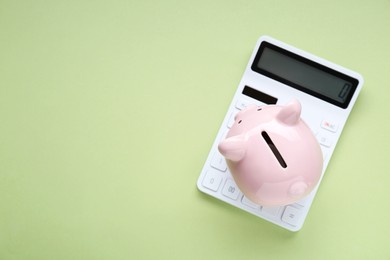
(272, 154)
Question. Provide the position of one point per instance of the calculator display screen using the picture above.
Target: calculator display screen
(304, 74)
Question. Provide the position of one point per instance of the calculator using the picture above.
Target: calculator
(276, 74)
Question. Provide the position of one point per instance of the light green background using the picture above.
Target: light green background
(108, 110)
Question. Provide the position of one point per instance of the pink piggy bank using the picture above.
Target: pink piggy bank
(272, 154)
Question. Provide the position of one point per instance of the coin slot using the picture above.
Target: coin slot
(273, 148)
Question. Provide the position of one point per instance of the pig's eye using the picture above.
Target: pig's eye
(240, 121)
(259, 109)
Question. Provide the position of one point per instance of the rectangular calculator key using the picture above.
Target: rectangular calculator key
(276, 74)
(231, 190)
(249, 203)
(242, 104)
(324, 140)
(291, 216)
(303, 202)
(329, 125)
(218, 162)
(271, 211)
(212, 180)
(231, 119)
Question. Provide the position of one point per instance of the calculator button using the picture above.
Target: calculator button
(231, 119)
(249, 203)
(241, 103)
(325, 141)
(303, 202)
(212, 180)
(324, 153)
(230, 190)
(291, 215)
(329, 125)
(271, 211)
(219, 162)
(223, 136)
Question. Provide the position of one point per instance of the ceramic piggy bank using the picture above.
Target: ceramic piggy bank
(272, 154)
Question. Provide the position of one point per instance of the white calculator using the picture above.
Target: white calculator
(277, 73)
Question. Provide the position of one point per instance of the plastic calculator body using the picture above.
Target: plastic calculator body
(277, 73)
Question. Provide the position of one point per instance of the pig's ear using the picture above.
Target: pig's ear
(233, 148)
(290, 113)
